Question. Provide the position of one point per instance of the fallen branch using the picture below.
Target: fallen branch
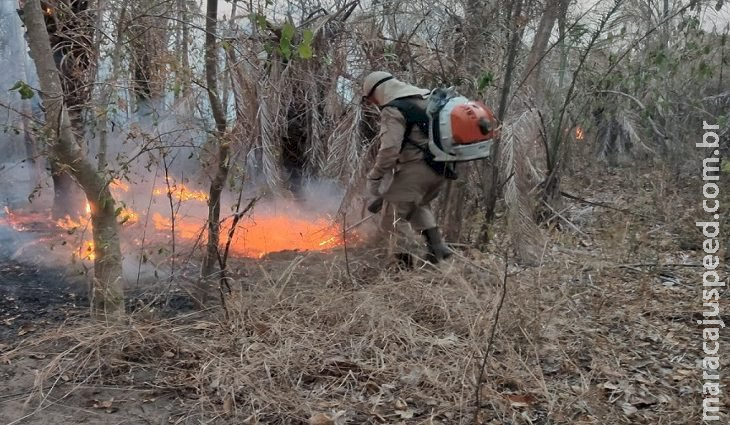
(557, 214)
(601, 204)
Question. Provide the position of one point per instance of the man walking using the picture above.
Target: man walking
(401, 155)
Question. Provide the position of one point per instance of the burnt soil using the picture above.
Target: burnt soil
(32, 298)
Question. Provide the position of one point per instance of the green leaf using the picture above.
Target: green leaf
(26, 91)
(287, 32)
(259, 19)
(485, 80)
(305, 51)
(305, 47)
(285, 50)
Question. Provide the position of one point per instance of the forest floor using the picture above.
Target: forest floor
(602, 331)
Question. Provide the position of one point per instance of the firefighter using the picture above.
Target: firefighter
(413, 183)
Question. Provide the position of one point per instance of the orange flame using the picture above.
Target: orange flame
(184, 228)
(69, 224)
(579, 135)
(182, 193)
(264, 235)
(119, 186)
(261, 235)
(86, 252)
(254, 237)
(127, 215)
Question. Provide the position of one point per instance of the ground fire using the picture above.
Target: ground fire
(254, 237)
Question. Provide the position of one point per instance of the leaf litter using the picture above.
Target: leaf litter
(583, 339)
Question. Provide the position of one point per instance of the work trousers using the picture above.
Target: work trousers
(406, 208)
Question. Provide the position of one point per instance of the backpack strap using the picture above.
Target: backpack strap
(414, 116)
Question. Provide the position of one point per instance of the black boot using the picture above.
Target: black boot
(404, 261)
(436, 247)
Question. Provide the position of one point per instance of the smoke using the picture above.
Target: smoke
(17, 169)
(161, 164)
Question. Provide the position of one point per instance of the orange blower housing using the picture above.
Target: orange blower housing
(472, 122)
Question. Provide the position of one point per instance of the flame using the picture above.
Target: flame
(184, 228)
(69, 224)
(26, 221)
(254, 237)
(182, 193)
(119, 186)
(264, 235)
(128, 215)
(261, 235)
(579, 135)
(86, 252)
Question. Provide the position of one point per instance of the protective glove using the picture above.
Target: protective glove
(373, 187)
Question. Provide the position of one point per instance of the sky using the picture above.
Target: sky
(710, 19)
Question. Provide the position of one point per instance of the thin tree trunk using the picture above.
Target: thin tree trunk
(226, 81)
(185, 48)
(218, 182)
(35, 170)
(477, 12)
(492, 186)
(562, 27)
(108, 89)
(539, 46)
(106, 294)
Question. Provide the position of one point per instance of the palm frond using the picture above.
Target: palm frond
(343, 153)
(267, 114)
(516, 171)
(719, 100)
(357, 180)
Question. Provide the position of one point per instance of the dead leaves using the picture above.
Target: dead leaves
(402, 409)
(105, 405)
(632, 398)
(336, 418)
(521, 400)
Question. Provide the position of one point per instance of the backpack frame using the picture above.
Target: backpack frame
(417, 116)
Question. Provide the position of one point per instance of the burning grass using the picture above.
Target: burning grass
(272, 229)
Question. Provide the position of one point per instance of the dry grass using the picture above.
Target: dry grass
(582, 339)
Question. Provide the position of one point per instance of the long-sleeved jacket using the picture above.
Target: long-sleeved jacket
(393, 151)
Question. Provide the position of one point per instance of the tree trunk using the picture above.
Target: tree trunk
(562, 28)
(147, 29)
(70, 29)
(102, 123)
(492, 187)
(539, 46)
(106, 296)
(477, 12)
(68, 200)
(218, 182)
